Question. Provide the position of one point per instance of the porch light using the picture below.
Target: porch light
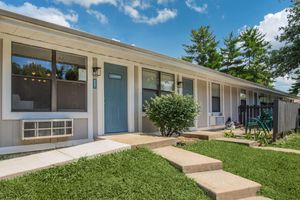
(179, 84)
(96, 71)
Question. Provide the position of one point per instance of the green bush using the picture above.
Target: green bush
(229, 134)
(172, 113)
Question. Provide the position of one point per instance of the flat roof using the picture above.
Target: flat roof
(72, 31)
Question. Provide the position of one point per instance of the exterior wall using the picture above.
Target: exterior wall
(202, 100)
(235, 104)
(227, 106)
(148, 126)
(10, 133)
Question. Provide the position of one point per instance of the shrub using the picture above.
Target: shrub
(229, 134)
(172, 113)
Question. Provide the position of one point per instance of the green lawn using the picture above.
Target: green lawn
(279, 173)
(132, 174)
(291, 142)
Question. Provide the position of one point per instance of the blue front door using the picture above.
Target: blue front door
(115, 98)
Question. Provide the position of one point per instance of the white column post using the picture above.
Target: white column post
(131, 114)
(100, 98)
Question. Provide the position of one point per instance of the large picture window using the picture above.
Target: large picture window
(38, 74)
(156, 83)
(216, 98)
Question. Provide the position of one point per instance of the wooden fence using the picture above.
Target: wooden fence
(247, 112)
(285, 117)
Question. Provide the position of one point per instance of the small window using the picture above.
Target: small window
(31, 78)
(216, 100)
(187, 87)
(71, 82)
(167, 82)
(156, 83)
(243, 97)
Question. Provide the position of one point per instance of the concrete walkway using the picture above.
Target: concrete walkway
(208, 174)
(141, 140)
(279, 149)
(21, 165)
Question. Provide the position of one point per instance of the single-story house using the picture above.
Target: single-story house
(61, 86)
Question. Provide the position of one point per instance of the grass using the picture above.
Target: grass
(291, 141)
(278, 173)
(132, 174)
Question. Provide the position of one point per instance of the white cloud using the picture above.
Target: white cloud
(164, 1)
(193, 5)
(88, 3)
(270, 26)
(142, 4)
(50, 14)
(132, 8)
(283, 83)
(99, 16)
(161, 17)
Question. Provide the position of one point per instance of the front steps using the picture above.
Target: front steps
(246, 142)
(188, 162)
(140, 140)
(204, 135)
(208, 174)
(223, 185)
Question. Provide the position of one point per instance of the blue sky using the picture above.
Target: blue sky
(159, 25)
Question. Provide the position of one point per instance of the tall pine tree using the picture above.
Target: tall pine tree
(295, 88)
(231, 53)
(255, 66)
(203, 49)
(287, 59)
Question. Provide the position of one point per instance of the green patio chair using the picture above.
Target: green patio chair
(256, 123)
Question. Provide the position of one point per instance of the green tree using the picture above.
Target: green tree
(203, 49)
(287, 59)
(255, 57)
(231, 53)
(295, 88)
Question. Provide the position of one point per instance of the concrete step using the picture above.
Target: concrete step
(222, 185)
(256, 198)
(141, 140)
(186, 161)
(249, 143)
(204, 135)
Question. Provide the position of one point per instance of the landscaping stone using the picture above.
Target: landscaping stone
(249, 143)
(204, 135)
(223, 185)
(141, 140)
(186, 161)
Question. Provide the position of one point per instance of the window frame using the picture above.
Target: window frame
(53, 81)
(158, 91)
